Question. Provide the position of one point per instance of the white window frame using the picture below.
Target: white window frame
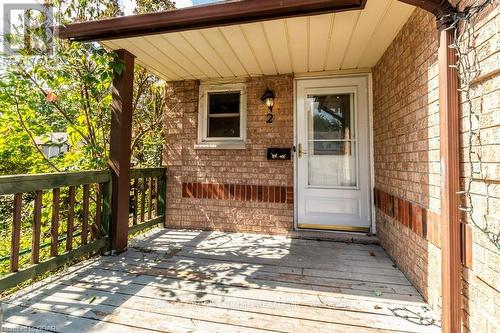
(205, 142)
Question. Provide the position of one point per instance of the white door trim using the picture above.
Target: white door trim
(369, 77)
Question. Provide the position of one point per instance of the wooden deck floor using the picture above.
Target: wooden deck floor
(188, 281)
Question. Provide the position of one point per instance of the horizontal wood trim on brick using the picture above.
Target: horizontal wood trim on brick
(255, 193)
(423, 222)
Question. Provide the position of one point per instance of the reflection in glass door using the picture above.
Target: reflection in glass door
(331, 141)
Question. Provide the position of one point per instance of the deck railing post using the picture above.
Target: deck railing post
(120, 151)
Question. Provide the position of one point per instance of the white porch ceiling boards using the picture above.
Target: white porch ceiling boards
(328, 42)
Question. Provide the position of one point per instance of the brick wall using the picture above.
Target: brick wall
(481, 281)
(406, 153)
(205, 186)
(406, 149)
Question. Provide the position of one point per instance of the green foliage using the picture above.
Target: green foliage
(148, 6)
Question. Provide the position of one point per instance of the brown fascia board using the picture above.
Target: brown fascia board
(217, 14)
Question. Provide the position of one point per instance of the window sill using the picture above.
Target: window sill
(220, 145)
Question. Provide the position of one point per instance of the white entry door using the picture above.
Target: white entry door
(333, 156)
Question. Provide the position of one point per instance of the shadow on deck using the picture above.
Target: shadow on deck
(185, 281)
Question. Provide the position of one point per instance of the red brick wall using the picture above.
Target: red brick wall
(226, 169)
(406, 152)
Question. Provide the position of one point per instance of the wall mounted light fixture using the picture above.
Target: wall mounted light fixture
(268, 98)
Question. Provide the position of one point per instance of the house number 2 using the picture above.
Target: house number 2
(270, 117)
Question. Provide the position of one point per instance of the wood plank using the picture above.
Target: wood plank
(127, 317)
(85, 217)
(257, 278)
(164, 315)
(37, 222)
(198, 263)
(71, 217)
(98, 213)
(147, 172)
(154, 204)
(16, 233)
(206, 293)
(143, 199)
(147, 224)
(30, 183)
(162, 195)
(58, 322)
(150, 198)
(54, 229)
(282, 292)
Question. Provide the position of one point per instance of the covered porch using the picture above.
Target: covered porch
(296, 281)
(199, 281)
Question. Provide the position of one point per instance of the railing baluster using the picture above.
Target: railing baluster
(98, 211)
(16, 233)
(85, 217)
(136, 202)
(150, 201)
(71, 214)
(143, 198)
(162, 195)
(158, 184)
(154, 205)
(54, 231)
(37, 222)
(107, 189)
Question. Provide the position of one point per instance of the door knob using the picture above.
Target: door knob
(300, 150)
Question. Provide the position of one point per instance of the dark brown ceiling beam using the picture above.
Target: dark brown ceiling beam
(218, 14)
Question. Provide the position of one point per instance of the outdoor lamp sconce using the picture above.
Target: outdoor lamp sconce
(268, 98)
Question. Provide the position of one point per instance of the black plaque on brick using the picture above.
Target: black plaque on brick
(279, 154)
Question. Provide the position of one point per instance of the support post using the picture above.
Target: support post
(120, 151)
(450, 175)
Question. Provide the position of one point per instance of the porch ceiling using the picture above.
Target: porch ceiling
(344, 40)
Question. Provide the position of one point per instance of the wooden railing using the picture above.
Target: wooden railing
(147, 200)
(59, 217)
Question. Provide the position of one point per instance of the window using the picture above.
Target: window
(222, 116)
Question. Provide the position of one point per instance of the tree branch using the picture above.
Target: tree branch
(33, 141)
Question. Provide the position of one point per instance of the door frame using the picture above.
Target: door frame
(369, 77)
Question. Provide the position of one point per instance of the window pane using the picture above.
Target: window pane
(331, 117)
(220, 103)
(332, 163)
(224, 127)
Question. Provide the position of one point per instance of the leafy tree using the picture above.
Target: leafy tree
(148, 6)
(69, 91)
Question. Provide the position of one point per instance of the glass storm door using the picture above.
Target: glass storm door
(333, 160)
